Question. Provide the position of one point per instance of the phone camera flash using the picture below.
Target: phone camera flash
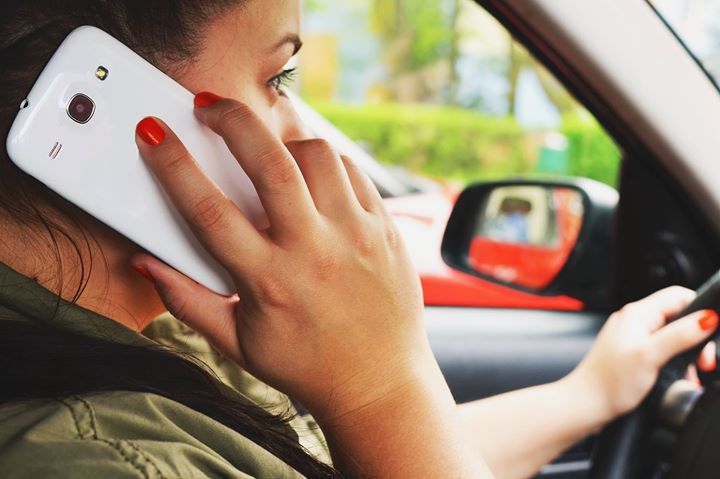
(102, 73)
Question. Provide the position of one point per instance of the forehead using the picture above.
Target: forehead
(257, 25)
(239, 48)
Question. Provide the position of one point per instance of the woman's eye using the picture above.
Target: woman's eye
(284, 78)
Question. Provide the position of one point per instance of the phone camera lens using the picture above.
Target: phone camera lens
(81, 108)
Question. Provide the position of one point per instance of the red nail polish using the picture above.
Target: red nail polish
(205, 99)
(144, 273)
(709, 320)
(150, 131)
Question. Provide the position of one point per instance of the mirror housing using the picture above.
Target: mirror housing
(580, 268)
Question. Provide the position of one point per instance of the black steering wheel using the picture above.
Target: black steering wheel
(675, 431)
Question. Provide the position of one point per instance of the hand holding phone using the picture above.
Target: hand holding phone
(329, 280)
(74, 134)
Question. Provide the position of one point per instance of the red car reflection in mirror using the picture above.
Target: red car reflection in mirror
(526, 234)
(421, 220)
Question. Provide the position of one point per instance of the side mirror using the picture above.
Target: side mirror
(549, 238)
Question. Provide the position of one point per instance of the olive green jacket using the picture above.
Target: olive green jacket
(129, 434)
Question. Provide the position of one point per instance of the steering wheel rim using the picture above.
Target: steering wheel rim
(619, 447)
(622, 448)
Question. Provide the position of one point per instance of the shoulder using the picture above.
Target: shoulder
(169, 331)
(125, 435)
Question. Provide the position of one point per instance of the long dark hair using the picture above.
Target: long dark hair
(168, 33)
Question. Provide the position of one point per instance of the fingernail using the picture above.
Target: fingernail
(144, 273)
(205, 99)
(150, 131)
(709, 320)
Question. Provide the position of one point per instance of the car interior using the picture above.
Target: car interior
(619, 60)
(584, 246)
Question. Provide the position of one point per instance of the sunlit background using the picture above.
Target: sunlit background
(438, 88)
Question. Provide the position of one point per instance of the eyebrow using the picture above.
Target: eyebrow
(291, 38)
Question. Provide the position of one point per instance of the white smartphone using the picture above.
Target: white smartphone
(75, 133)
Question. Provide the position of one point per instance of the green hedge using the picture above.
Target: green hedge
(459, 144)
(592, 153)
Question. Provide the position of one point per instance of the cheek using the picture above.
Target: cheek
(290, 126)
(258, 97)
(260, 105)
(276, 112)
(260, 100)
(271, 108)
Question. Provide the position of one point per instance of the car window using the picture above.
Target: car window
(696, 23)
(438, 88)
(438, 93)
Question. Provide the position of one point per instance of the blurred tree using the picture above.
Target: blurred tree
(421, 45)
(417, 36)
(320, 64)
(454, 55)
(521, 60)
(314, 5)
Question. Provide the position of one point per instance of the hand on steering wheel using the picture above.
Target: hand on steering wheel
(624, 448)
(636, 342)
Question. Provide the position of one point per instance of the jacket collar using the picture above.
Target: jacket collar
(32, 302)
(23, 299)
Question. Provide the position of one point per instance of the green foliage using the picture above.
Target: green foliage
(417, 33)
(457, 144)
(314, 5)
(592, 153)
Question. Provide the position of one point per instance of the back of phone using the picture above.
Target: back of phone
(93, 161)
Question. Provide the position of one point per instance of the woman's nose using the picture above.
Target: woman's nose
(291, 126)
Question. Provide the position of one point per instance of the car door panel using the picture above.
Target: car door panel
(484, 352)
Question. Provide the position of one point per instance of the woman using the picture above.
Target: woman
(328, 312)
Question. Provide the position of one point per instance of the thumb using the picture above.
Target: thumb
(684, 333)
(210, 314)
